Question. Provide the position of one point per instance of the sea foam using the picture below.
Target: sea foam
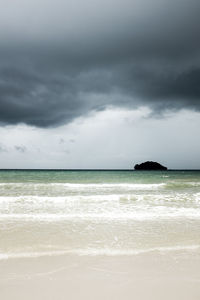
(98, 252)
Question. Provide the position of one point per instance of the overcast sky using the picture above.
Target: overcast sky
(99, 84)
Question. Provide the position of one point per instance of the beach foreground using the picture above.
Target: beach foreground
(174, 275)
(99, 235)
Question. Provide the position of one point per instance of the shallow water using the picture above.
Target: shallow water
(98, 212)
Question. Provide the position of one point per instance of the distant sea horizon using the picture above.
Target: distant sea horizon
(93, 169)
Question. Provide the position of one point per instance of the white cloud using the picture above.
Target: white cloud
(115, 138)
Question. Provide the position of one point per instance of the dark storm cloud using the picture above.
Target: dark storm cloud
(59, 62)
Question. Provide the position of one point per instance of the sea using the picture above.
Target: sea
(84, 212)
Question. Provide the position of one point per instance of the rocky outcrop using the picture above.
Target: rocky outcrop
(150, 165)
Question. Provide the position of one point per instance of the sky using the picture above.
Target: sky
(99, 84)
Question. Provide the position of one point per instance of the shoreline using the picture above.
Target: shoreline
(92, 252)
(151, 276)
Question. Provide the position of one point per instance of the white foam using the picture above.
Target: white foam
(182, 184)
(154, 198)
(75, 186)
(63, 199)
(109, 198)
(134, 186)
(158, 213)
(98, 252)
(126, 252)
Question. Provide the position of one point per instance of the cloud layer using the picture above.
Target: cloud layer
(61, 60)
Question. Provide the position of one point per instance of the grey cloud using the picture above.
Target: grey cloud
(67, 151)
(3, 148)
(61, 141)
(20, 149)
(72, 141)
(68, 62)
(163, 89)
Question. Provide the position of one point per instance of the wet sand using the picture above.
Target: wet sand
(149, 276)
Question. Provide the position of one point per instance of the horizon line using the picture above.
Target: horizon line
(92, 169)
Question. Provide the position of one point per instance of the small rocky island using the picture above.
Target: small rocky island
(150, 166)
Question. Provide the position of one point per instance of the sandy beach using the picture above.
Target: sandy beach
(153, 276)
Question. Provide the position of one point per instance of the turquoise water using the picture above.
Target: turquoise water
(98, 212)
(98, 176)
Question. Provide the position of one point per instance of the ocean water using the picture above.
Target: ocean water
(47, 213)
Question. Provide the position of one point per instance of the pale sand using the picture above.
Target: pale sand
(152, 276)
